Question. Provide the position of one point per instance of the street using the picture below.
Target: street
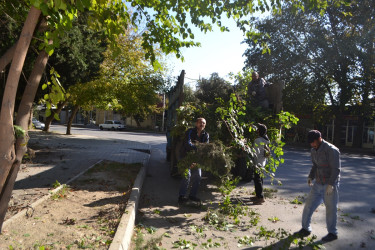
(147, 138)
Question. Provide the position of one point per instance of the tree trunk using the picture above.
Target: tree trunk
(358, 136)
(7, 149)
(7, 57)
(138, 122)
(23, 120)
(10, 159)
(71, 118)
(50, 118)
(338, 127)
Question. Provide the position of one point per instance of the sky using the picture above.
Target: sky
(220, 52)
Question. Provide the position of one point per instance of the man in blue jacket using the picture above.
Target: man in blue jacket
(324, 181)
(193, 136)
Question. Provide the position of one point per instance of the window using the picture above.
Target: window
(329, 133)
(117, 122)
(368, 135)
(351, 132)
(108, 122)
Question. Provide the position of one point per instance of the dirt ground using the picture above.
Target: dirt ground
(45, 152)
(82, 215)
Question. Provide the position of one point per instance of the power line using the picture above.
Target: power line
(192, 79)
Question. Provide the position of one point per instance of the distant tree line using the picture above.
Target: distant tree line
(326, 59)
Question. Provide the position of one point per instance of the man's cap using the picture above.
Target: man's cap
(313, 135)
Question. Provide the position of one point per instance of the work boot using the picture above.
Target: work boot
(182, 199)
(253, 198)
(329, 237)
(302, 233)
(259, 201)
(193, 198)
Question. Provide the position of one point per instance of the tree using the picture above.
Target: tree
(208, 90)
(362, 18)
(126, 82)
(189, 94)
(77, 60)
(315, 53)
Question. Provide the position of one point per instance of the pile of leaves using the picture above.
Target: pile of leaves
(211, 157)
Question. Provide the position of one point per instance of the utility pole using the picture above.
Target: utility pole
(162, 121)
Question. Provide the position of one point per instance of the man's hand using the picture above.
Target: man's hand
(329, 190)
(310, 182)
(253, 93)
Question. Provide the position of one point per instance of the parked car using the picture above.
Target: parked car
(112, 125)
(37, 124)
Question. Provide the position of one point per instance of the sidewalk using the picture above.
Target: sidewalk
(61, 157)
(163, 224)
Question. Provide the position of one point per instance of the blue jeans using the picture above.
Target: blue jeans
(195, 176)
(316, 196)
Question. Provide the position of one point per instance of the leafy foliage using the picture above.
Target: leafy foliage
(324, 58)
(126, 82)
(212, 157)
(235, 117)
(56, 93)
(80, 53)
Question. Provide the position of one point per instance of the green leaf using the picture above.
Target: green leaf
(56, 116)
(57, 4)
(86, 3)
(46, 97)
(48, 112)
(63, 5)
(36, 3)
(50, 52)
(44, 86)
(156, 65)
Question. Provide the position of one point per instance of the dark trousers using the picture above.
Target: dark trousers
(258, 183)
(195, 176)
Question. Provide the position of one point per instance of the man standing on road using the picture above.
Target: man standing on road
(257, 92)
(326, 173)
(193, 136)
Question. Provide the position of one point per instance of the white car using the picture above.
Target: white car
(37, 124)
(112, 125)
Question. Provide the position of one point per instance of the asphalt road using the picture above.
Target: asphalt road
(152, 139)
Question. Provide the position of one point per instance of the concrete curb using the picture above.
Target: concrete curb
(124, 232)
(45, 197)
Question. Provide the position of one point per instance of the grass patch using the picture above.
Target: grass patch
(114, 167)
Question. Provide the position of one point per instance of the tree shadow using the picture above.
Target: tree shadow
(291, 243)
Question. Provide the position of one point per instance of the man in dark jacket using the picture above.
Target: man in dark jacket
(326, 173)
(257, 92)
(193, 136)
